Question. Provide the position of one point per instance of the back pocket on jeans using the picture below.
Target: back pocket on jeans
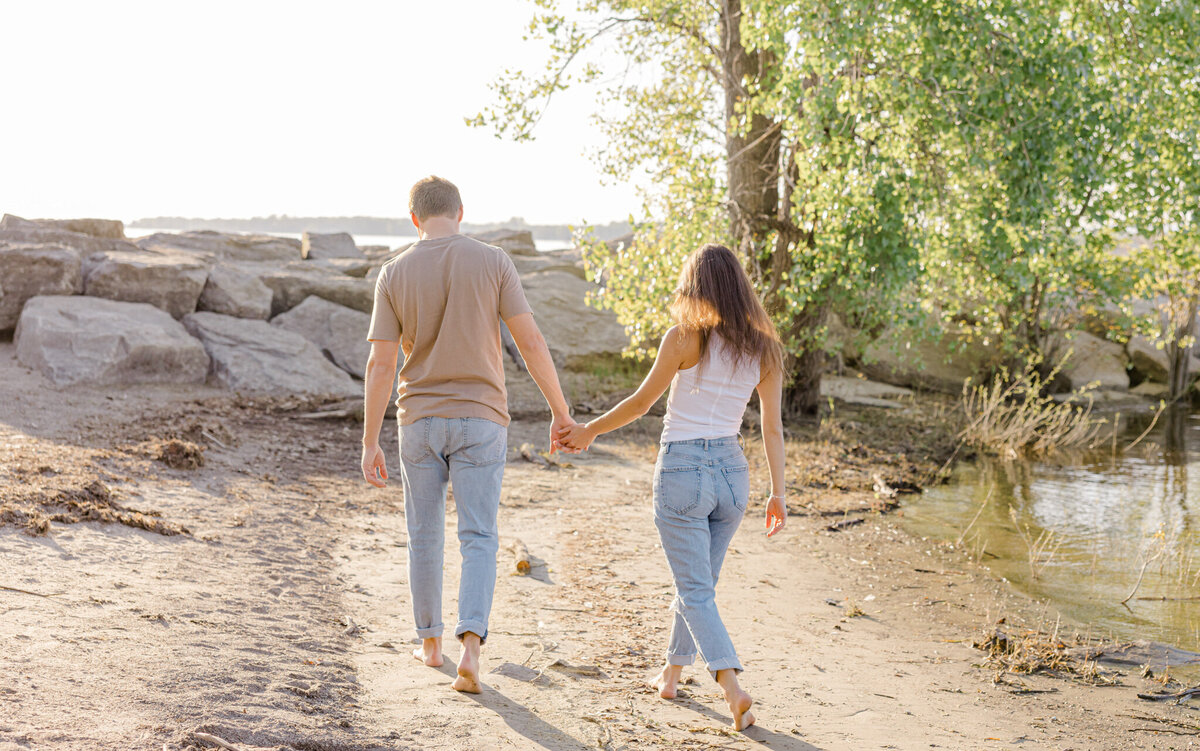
(677, 489)
(738, 480)
(484, 442)
(414, 442)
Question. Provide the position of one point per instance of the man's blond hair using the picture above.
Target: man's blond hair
(434, 196)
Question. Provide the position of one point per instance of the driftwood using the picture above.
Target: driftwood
(24, 591)
(843, 524)
(520, 557)
(213, 740)
(1179, 697)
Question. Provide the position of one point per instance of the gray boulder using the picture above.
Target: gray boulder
(547, 262)
(339, 332)
(113, 229)
(86, 340)
(516, 242)
(315, 245)
(255, 357)
(209, 246)
(355, 267)
(233, 292)
(904, 359)
(1147, 359)
(30, 270)
(170, 281)
(17, 231)
(1091, 361)
(292, 284)
(578, 335)
(1151, 362)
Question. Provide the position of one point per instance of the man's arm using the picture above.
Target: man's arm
(533, 348)
(381, 374)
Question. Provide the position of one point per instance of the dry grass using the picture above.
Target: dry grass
(1041, 652)
(1013, 416)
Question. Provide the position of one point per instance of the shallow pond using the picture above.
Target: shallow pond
(1078, 531)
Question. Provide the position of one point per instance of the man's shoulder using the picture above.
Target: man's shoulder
(479, 246)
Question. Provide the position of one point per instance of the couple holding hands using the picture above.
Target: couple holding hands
(441, 302)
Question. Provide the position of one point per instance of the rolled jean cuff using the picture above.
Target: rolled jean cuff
(432, 632)
(725, 663)
(475, 627)
(682, 660)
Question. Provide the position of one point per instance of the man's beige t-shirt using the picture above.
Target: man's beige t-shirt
(443, 300)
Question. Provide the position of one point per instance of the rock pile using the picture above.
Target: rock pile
(253, 313)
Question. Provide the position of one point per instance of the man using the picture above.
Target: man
(442, 301)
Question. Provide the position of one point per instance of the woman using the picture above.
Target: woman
(721, 350)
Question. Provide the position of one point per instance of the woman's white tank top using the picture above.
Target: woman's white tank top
(709, 399)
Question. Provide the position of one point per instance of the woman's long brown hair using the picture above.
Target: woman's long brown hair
(715, 296)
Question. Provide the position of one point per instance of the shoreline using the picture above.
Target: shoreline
(281, 618)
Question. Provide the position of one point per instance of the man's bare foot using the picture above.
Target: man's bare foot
(739, 701)
(666, 683)
(430, 652)
(468, 666)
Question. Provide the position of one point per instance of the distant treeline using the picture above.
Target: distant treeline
(364, 225)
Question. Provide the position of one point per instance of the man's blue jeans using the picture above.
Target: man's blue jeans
(701, 488)
(469, 452)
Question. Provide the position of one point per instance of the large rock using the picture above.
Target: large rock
(255, 357)
(233, 292)
(294, 283)
(548, 262)
(1151, 362)
(924, 363)
(211, 246)
(1089, 361)
(863, 391)
(577, 334)
(315, 245)
(113, 229)
(355, 267)
(170, 281)
(1146, 358)
(87, 340)
(339, 332)
(17, 231)
(30, 270)
(516, 242)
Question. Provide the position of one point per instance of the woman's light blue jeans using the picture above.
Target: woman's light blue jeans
(470, 453)
(701, 488)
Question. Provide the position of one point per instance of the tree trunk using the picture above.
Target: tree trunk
(751, 149)
(803, 395)
(1178, 356)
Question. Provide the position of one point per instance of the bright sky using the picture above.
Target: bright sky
(234, 109)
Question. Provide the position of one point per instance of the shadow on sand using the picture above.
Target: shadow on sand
(520, 719)
(757, 733)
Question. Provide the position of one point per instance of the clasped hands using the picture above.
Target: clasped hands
(569, 436)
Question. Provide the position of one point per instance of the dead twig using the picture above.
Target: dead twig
(26, 591)
(215, 741)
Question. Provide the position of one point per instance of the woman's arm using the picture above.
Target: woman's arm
(673, 351)
(770, 398)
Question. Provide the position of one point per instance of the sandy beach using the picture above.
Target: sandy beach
(261, 599)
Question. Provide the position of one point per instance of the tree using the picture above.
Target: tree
(780, 131)
(1151, 58)
(847, 150)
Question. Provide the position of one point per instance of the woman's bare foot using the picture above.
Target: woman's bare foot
(430, 652)
(666, 683)
(468, 666)
(739, 701)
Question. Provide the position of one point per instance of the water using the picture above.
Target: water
(391, 241)
(1101, 517)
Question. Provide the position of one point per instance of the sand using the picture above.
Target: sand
(280, 618)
